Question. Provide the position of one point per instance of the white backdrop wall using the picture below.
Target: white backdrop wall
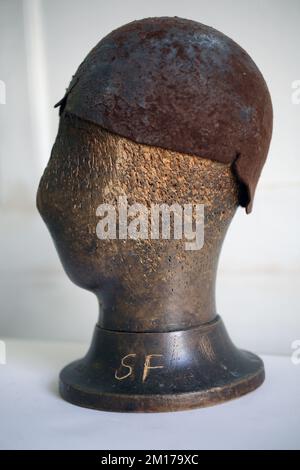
(41, 44)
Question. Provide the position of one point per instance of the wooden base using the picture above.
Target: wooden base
(170, 371)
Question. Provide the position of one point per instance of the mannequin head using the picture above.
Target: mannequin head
(163, 113)
(144, 284)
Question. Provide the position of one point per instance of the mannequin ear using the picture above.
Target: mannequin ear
(244, 193)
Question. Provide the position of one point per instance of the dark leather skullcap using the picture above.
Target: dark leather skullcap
(180, 85)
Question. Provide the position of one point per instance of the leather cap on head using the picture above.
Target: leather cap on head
(181, 85)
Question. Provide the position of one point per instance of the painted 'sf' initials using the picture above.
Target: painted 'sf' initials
(123, 363)
(148, 367)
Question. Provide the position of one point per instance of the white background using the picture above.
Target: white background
(33, 416)
(41, 45)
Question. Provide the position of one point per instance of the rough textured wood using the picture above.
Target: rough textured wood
(159, 344)
(139, 283)
(181, 85)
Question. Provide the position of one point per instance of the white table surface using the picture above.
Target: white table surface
(33, 416)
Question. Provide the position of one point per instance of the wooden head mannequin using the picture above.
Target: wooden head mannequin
(159, 344)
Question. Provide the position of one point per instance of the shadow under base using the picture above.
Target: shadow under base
(154, 372)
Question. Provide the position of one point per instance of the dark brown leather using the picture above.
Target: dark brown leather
(181, 85)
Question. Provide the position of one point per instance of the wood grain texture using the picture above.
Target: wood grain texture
(159, 344)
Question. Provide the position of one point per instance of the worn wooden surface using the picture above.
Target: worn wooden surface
(178, 84)
(169, 371)
(159, 344)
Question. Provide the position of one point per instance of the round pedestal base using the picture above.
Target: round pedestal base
(150, 372)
